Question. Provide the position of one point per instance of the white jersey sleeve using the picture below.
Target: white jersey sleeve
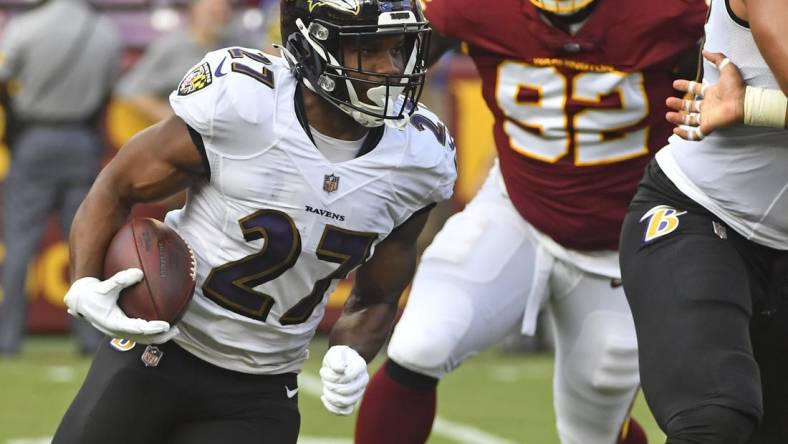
(228, 98)
(428, 164)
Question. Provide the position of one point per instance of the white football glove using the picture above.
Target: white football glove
(344, 376)
(97, 301)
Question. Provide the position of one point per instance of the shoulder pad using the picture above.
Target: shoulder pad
(428, 126)
(229, 97)
(429, 159)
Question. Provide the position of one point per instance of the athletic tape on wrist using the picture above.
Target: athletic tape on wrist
(764, 107)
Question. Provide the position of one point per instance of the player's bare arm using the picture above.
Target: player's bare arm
(368, 316)
(154, 164)
(768, 21)
(369, 313)
(723, 104)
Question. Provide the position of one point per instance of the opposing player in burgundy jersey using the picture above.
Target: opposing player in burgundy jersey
(577, 89)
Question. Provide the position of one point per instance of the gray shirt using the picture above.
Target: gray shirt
(38, 42)
(164, 64)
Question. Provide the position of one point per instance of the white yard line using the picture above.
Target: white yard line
(465, 434)
(60, 373)
(45, 440)
(457, 432)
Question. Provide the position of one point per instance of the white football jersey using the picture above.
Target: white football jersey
(277, 224)
(737, 173)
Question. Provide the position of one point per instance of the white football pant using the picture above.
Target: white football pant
(486, 274)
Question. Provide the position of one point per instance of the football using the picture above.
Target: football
(167, 263)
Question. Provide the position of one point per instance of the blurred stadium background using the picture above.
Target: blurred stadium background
(502, 397)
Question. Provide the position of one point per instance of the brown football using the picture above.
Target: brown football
(167, 263)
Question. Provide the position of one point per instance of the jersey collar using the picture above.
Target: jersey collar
(370, 142)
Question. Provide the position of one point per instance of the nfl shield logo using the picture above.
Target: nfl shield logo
(151, 356)
(330, 183)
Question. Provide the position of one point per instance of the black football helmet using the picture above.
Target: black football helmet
(314, 33)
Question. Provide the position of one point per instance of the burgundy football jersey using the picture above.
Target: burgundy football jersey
(577, 117)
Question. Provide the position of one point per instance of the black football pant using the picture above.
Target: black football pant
(182, 400)
(711, 315)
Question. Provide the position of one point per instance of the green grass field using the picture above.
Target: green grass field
(493, 399)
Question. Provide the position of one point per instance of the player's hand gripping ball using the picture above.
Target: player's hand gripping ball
(150, 281)
(167, 264)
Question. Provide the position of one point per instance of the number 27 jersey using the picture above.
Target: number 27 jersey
(277, 225)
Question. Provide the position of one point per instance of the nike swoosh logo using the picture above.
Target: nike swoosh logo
(290, 393)
(218, 72)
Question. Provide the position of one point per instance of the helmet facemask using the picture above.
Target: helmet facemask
(317, 53)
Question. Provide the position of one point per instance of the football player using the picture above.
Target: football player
(704, 246)
(300, 169)
(577, 89)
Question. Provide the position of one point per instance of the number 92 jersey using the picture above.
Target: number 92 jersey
(577, 117)
(276, 224)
